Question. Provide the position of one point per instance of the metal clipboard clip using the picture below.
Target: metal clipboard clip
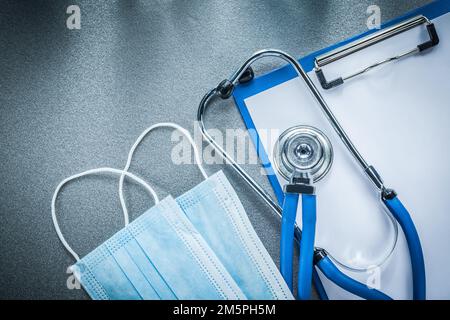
(370, 40)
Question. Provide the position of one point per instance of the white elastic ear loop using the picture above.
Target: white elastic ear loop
(88, 172)
(138, 141)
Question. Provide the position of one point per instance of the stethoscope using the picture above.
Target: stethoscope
(303, 156)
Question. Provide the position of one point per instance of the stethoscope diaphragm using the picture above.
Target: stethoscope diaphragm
(304, 149)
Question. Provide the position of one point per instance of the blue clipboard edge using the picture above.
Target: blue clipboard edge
(286, 73)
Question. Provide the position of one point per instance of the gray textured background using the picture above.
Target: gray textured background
(72, 100)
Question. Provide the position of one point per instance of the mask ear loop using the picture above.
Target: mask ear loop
(136, 144)
(85, 173)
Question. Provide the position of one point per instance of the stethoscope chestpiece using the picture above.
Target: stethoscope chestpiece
(303, 149)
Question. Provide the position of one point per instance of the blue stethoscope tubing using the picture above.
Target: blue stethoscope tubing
(306, 254)
(287, 237)
(403, 217)
(324, 263)
(345, 282)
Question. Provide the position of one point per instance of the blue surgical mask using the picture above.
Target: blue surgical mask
(214, 209)
(160, 255)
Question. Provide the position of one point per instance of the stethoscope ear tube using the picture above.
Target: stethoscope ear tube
(400, 213)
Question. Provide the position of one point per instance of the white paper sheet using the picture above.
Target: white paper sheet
(398, 116)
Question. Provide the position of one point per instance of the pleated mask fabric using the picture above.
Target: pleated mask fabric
(215, 210)
(159, 255)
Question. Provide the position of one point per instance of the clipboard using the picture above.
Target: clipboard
(282, 82)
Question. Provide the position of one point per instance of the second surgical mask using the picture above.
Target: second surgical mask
(213, 207)
(216, 212)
